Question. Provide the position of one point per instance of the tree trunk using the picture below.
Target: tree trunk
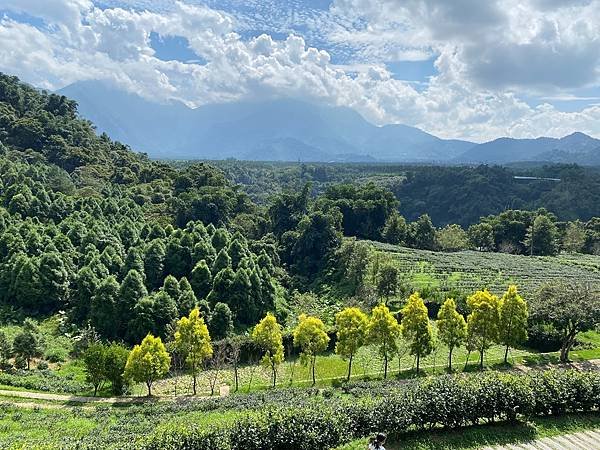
(506, 355)
(235, 377)
(149, 384)
(385, 366)
(450, 359)
(95, 389)
(314, 363)
(418, 361)
(194, 383)
(28, 361)
(481, 352)
(274, 374)
(566, 347)
(467, 360)
(349, 367)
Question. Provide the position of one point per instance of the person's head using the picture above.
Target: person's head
(380, 439)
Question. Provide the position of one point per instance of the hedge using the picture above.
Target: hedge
(447, 401)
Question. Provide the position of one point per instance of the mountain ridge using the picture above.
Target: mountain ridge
(295, 130)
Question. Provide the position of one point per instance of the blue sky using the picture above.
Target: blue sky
(463, 69)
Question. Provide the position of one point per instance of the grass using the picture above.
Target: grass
(485, 435)
(332, 369)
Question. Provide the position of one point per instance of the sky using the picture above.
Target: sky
(466, 69)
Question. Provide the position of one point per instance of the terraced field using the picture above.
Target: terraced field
(468, 271)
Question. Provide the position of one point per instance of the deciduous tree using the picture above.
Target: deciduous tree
(452, 327)
(513, 320)
(268, 336)
(193, 342)
(310, 335)
(483, 321)
(148, 362)
(384, 332)
(416, 328)
(352, 329)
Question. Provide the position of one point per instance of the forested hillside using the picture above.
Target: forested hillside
(448, 194)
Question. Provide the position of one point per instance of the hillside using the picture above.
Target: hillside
(467, 271)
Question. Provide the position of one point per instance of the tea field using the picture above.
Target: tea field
(468, 271)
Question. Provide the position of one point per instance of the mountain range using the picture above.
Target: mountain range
(293, 130)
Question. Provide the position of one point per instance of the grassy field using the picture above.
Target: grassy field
(468, 271)
(486, 435)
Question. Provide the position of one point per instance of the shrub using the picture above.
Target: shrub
(450, 401)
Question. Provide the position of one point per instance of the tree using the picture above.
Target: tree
(571, 308)
(193, 342)
(452, 238)
(416, 328)
(513, 320)
(352, 328)
(171, 287)
(154, 263)
(452, 327)
(94, 361)
(387, 281)
(383, 331)
(221, 321)
(201, 279)
(29, 342)
(542, 236)
(481, 237)
(395, 229)
(311, 337)
(6, 349)
(483, 321)
(103, 307)
(187, 299)
(574, 238)
(422, 233)
(148, 362)
(115, 359)
(132, 290)
(268, 336)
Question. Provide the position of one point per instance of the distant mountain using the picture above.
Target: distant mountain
(575, 148)
(292, 130)
(277, 130)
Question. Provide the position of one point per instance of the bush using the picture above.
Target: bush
(447, 401)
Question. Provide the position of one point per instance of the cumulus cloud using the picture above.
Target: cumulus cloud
(486, 55)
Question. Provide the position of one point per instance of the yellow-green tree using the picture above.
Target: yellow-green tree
(352, 328)
(452, 327)
(148, 362)
(513, 319)
(310, 335)
(483, 321)
(193, 341)
(384, 332)
(268, 336)
(416, 328)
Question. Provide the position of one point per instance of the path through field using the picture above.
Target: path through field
(584, 440)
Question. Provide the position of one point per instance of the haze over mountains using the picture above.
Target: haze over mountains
(292, 130)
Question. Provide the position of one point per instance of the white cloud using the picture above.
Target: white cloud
(487, 55)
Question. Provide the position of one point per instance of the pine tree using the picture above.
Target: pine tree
(193, 340)
(201, 279)
(104, 307)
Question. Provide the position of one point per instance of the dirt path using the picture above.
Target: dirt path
(584, 440)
